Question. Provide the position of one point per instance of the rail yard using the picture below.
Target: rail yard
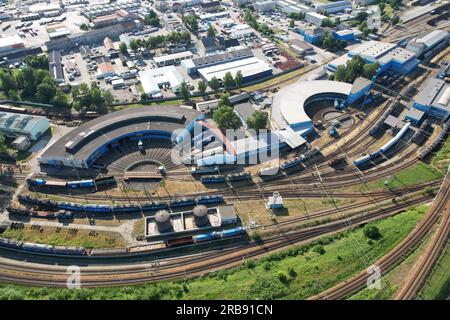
(181, 185)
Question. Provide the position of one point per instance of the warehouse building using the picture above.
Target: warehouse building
(55, 66)
(11, 44)
(311, 34)
(434, 99)
(153, 79)
(291, 6)
(264, 5)
(425, 43)
(251, 68)
(172, 59)
(94, 11)
(315, 18)
(332, 7)
(14, 125)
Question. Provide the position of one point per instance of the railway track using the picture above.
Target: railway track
(439, 208)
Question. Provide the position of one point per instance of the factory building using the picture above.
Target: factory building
(315, 18)
(251, 68)
(172, 59)
(311, 34)
(55, 66)
(332, 7)
(425, 43)
(291, 6)
(14, 125)
(93, 11)
(11, 44)
(153, 79)
(434, 99)
(346, 35)
(388, 55)
(239, 3)
(264, 5)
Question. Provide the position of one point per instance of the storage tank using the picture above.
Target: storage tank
(163, 222)
(201, 215)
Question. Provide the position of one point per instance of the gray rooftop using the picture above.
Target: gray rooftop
(432, 92)
(87, 138)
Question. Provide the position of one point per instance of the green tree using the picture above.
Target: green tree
(291, 23)
(214, 83)
(123, 48)
(84, 27)
(258, 120)
(45, 92)
(37, 62)
(339, 74)
(202, 87)
(184, 91)
(134, 45)
(211, 31)
(228, 80)
(372, 232)
(60, 100)
(13, 95)
(225, 118)
(238, 79)
(7, 82)
(152, 19)
(370, 69)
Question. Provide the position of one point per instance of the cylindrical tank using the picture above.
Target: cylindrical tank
(201, 215)
(163, 222)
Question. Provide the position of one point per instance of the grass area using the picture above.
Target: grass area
(295, 273)
(62, 237)
(441, 159)
(256, 209)
(437, 286)
(388, 10)
(416, 174)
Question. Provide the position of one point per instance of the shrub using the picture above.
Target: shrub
(319, 249)
(372, 232)
(282, 276)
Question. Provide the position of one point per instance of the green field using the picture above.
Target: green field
(295, 273)
(441, 159)
(438, 284)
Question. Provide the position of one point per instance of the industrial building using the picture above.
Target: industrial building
(11, 44)
(434, 99)
(264, 5)
(311, 34)
(332, 7)
(251, 68)
(289, 104)
(315, 18)
(55, 66)
(423, 44)
(172, 59)
(153, 79)
(388, 55)
(291, 6)
(14, 125)
(93, 11)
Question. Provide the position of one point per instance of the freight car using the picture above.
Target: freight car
(206, 236)
(182, 202)
(205, 170)
(125, 208)
(9, 243)
(290, 164)
(233, 232)
(209, 199)
(212, 179)
(179, 242)
(239, 176)
(108, 252)
(154, 206)
(97, 208)
(37, 247)
(76, 251)
(81, 184)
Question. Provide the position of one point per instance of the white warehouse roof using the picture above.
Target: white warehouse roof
(432, 38)
(151, 79)
(14, 124)
(289, 102)
(248, 67)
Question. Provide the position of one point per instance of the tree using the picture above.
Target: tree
(144, 96)
(184, 91)
(291, 23)
(225, 118)
(395, 20)
(7, 82)
(152, 19)
(327, 22)
(225, 100)
(258, 120)
(202, 87)
(211, 31)
(60, 100)
(238, 79)
(134, 45)
(123, 48)
(372, 232)
(214, 83)
(339, 74)
(84, 27)
(228, 80)
(108, 98)
(370, 69)
(37, 62)
(45, 92)
(13, 95)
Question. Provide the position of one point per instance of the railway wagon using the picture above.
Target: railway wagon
(182, 202)
(394, 140)
(81, 184)
(310, 155)
(97, 208)
(364, 159)
(239, 176)
(336, 161)
(37, 247)
(154, 206)
(212, 179)
(108, 252)
(105, 182)
(71, 206)
(179, 242)
(206, 237)
(17, 211)
(290, 164)
(10, 243)
(210, 199)
(233, 232)
(205, 170)
(76, 251)
(125, 208)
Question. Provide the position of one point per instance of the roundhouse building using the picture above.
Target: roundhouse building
(85, 144)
